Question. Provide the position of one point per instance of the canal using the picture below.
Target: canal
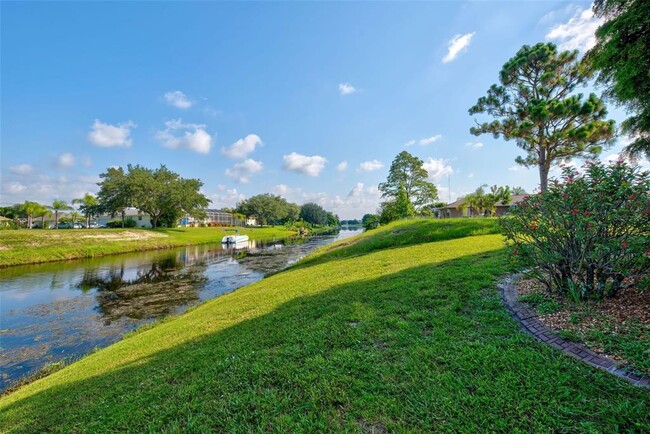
(63, 310)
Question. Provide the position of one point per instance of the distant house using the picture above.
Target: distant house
(141, 219)
(5, 222)
(456, 209)
(217, 217)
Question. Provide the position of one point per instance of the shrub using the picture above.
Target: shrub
(128, 223)
(587, 233)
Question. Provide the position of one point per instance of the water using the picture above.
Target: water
(64, 310)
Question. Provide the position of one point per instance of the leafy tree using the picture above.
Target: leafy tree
(622, 58)
(267, 208)
(59, 205)
(88, 206)
(534, 106)
(293, 213)
(163, 193)
(313, 213)
(408, 172)
(11, 212)
(114, 195)
(333, 219)
(518, 191)
(370, 221)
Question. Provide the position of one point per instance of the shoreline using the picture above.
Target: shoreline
(31, 247)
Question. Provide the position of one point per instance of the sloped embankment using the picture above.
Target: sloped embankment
(379, 334)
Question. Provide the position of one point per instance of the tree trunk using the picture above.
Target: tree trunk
(543, 171)
(123, 218)
(29, 221)
(56, 219)
(154, 221)
(87, 221)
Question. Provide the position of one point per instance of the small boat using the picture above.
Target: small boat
(234, 239)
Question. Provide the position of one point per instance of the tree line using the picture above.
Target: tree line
(166, 197)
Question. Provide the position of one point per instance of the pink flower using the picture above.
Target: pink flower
(564, 195)
(574, 211)
(624, 244)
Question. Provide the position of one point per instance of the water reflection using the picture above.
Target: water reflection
(63, 310)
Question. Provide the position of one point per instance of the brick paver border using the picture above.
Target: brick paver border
(529, 322)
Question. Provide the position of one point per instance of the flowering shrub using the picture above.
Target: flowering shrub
(587, 233)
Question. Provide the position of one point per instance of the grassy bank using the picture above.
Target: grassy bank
(34, 246)
(375, 333)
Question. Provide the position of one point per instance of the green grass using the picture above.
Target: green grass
(358, 338)
(19, 247)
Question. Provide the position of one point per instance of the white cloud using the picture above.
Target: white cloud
(424, 142)
(242, 147)
(457, 45)
(242, 172)
(304, 164)
(474, 145)
(429, 140)
(471, 175)
(43, 188)
(21, 169)
(514, 168)
(228, 197)
(66, 160)
(16, 188)
(437, 168)
(369, 166)
(285, 191)
(346, 89)
(108, 136)
(178, 99)
(342, 166)
(190, 136)
(578, 33)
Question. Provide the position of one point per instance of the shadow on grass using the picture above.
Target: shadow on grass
(425, 349)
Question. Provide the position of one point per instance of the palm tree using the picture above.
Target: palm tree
(30, 209)
(59, 205)
(42, 212)
(88, 206)
(74, 215)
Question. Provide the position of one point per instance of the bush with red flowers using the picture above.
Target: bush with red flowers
(588, 234)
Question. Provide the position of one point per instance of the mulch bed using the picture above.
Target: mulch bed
(612, 315)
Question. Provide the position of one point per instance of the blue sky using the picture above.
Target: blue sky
(311, 101)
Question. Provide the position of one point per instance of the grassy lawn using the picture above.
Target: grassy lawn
(399, 329)
(33, 246)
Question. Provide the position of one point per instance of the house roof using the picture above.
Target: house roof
(4, 219)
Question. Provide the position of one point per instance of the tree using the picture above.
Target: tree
(534, 106)
(30, 209)
(622, 59)
(314, 214)
(114, 195)
(518, 191)
(59, 205)
(333, 220)
(408, 172)
(162, 193)
(42, 212)
(88, 206)
(267, 208)
(370, 221)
